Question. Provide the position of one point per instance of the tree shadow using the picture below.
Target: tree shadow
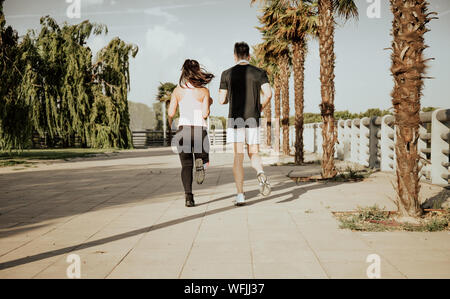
(33, 197)
(295, 194)
(436, 201)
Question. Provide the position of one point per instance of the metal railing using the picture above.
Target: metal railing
(150, 138)
(370, 142)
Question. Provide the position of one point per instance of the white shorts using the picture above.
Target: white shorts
(243, 135)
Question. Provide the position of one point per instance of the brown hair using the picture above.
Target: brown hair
(192, 72)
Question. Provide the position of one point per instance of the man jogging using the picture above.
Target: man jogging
(241, 86)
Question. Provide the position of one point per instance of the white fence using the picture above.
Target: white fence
(370, 142)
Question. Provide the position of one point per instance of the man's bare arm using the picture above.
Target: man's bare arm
(223, 96)
(207, 101)
(267, 95)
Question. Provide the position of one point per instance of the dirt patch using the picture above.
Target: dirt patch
(377, 219)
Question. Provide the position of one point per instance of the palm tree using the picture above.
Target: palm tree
(277, 107)
(280, 48)
(273, 70)
(327, 9)
(408, 69)
(268, 61)
(163, 96)
(257, 59)
(296, 25)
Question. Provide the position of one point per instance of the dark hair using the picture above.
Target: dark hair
(192, 72)
(241, 50)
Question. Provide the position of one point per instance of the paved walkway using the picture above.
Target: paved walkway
(125, 217)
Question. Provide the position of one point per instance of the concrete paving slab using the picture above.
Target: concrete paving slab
(125, 217)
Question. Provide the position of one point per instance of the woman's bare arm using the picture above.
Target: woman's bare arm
(173, 105)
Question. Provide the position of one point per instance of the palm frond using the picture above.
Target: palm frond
(346, 9)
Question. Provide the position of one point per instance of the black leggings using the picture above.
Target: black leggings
(191, 142)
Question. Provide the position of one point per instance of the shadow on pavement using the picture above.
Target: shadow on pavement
(295, 193)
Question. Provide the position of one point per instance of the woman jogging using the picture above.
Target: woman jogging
(191, 139)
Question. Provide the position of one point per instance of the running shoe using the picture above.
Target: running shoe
(190, 200)
(199, 171)
(240, 200)
(264, 186)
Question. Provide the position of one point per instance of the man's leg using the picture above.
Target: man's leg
(238, 166)
(255, 158)
(253, 153)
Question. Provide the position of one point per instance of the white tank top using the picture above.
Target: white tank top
(190, 109)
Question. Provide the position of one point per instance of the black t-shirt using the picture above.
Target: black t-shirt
(243, 83)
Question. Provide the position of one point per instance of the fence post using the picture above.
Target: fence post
(291, 136)
(319, 137)
(341, 139)
(347, 139)
(387, 143)
(374, 162)
(364, 141)
(440, 147)
(314, 127)
(423, 151)
(306, 138)
(355, 141)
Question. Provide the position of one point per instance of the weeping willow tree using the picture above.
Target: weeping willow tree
(76, 93)
(58, 77)
(14, 124)
(110, 119)
(51, 86)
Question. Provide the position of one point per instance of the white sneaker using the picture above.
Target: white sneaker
(264, 186)
(240, 200)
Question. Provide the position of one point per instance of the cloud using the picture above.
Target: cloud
(164, 42)
(441, 14)
(90, 2)
(158, 12)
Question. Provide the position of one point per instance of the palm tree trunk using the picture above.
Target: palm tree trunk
(327, 59)
(299, 80)
(277, 87)
(408, 68)
(284, 71)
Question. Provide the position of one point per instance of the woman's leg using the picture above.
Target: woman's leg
(204, 155)
(187, 164)
(183, 139)
(201, 153)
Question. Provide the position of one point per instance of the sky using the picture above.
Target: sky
(169, 31)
